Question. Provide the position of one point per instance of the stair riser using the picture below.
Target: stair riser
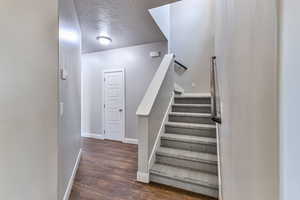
(183, 185)
(196, 165)
(188, 109)
(189, 131)
(192, 100)
(189, 146)
(189, 119)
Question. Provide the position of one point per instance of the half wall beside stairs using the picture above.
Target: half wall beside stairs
(151, 113)
(177, 138)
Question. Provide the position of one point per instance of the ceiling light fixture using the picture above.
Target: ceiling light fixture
(104, 40)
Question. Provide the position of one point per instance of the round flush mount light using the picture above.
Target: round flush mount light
(104, 40)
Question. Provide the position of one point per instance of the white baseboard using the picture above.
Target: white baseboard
(160, 132)
(93, 135)
(101, 137)
(72, 178)
(143, 177)
(219, 164)
(131, 141)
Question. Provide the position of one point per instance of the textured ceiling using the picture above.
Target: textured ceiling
(127, 22)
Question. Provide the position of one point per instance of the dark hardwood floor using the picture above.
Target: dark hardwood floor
(108, 172)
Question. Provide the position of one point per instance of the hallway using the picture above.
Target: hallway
(107, 171)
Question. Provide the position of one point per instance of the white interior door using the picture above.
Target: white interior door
(114, 112)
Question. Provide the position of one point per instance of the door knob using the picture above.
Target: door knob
(120, 110)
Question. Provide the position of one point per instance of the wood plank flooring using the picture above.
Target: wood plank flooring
(107, 171)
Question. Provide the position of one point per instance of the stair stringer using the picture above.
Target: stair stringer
(219, 161)
(152, 157)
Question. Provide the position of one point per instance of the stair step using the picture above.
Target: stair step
(201, 118)
(187, 179)
(189, 142)
(188, 155)
(192, 108)
(189, 159)
(191, 125)
(202, 130)
(194, 95)
(187, 114)
(190, 139)
(193, 105)
(186, 175)
(192, 99)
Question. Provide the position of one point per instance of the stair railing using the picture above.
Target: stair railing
(180, 65)
(151, 112)
(215, 104)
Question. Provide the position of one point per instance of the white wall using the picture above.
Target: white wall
(139, 71)
(246, 50)
(28, 103)
(289, 99)
(192, 41)
(69, 93)
(161, 16)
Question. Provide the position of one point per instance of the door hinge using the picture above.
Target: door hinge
(104, 79)
(104, 131)
(104, 106)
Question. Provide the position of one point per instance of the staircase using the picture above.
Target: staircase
(187, 156)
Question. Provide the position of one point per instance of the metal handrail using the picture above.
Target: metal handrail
(213, 89)
(181, 65)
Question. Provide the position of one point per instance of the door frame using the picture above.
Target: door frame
(103, 100)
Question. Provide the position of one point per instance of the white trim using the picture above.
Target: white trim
(102, 137)
(143, 177)
(72, 178)
(103, 100)
(145, 107)
(113, 70)
(93, 135)
(160, 132)
(130, 141)
(219, 162)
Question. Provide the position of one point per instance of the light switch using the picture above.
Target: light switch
(154, 54)
(64, 74)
